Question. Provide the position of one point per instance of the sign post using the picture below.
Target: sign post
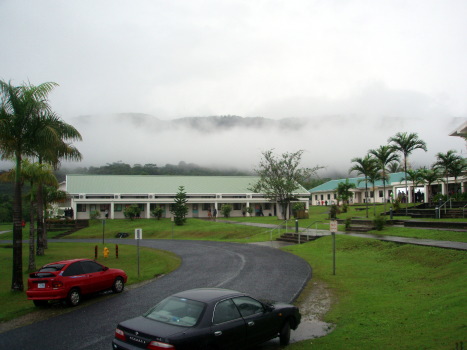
(333, 228)
(138, 237)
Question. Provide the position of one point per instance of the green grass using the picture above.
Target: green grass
(152, 263)
(420, 233)
(389, 296)
(165, 229)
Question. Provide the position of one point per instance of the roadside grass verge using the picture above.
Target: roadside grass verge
(389, 296)
(195, 229)
(422, 233)
(153, 262)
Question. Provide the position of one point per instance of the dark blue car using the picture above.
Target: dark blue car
(207, 319)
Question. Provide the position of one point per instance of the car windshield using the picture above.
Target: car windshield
(52, 267)
(177, 311)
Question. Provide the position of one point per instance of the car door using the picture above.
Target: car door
(228, 327)
(96, 280)
(260, 323)
(74, 276)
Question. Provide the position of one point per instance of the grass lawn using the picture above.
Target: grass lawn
(152, 263)
(389, 296)
(165, 229)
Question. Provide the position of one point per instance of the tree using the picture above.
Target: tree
(226, 209)
(132, 211)
(157, 212)
(446, 162)
(21, 108)
(35, 173)
(394, 167)
(364, 166)
(373, 176)
(415, 176)
(179, 208)
(280, 178)
(407, 143)
(344, 192)
(384, 155)
(429, 176)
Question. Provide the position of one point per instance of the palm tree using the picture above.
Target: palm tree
(364, 166)
(384, 155)
(62, 133)
(416, 177)
(407, 143)
(394, 167)
(445, 163)
(429, 176)
(35, 173)
(344, 193)
(373, 176)
(26, 125)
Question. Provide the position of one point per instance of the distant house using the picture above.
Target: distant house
(110, 194)
(395, 187)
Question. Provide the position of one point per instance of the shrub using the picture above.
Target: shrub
(95, 214)
(131, 212)
(379, 222)
(334, 211)
(347, 223)
(157, 212)
(226, 209)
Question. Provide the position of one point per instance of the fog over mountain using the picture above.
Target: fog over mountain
(233, 141)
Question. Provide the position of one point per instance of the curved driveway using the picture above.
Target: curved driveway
(263, 272)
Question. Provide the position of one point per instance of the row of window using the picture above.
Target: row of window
(369, 194)
(82, 208)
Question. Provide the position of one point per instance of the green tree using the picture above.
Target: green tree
(429, 176)
(364, 166)
(344, 193)
(157, 212)
(132, 211)
(373, 176)
(416, 177)
(384, 155)
(406, 143)
(280, 178)
(226, 209)
(446, 163)
(22, 113)
(179, 209)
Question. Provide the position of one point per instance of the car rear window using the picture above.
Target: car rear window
(52, 267)
(177, 311)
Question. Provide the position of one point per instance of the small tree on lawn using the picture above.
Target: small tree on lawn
(131, 212)
(157, 212)
(344, 193)
(179, 208)
(226, 209)
(280, 178)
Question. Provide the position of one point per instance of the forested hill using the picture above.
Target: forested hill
(119, 168)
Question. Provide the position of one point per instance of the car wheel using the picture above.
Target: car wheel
(74, 297)
(40, 302)
(284, 335)
(118, 285)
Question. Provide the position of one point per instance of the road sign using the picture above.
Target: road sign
(333, 226)
(138, 233)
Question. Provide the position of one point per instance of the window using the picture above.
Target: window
(177, 311)
(81, 208)
(73, 270)
(316, 197)
(329, 196)
(206, 206)
(237, 206)
(118, 207)
(267, 206)
(225, 311)
(91, 266)
(248, 306)
(380, 194)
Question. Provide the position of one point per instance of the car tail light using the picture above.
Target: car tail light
(57, 284)
(155, 345)
(119, 334)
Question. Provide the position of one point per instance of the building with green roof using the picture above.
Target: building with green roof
(110, 194)
(326, 193)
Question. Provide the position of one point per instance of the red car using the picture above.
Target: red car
(70, 279)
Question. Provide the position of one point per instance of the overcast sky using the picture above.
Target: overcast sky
(363, 60)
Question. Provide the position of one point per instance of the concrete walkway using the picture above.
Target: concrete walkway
(395, 239)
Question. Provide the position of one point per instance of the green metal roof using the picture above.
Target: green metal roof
(164, 184)
(358, 181)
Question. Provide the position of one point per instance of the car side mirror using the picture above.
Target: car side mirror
(105, 268)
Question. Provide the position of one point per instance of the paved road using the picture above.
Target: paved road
(262, 271)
